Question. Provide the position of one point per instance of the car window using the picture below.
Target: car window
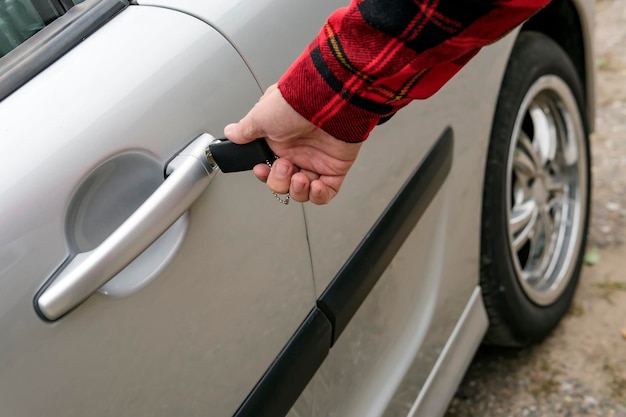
(21, 19)
(26, 49)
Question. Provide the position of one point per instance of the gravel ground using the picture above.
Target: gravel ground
(580, 370)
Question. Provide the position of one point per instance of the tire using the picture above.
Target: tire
(536, 194)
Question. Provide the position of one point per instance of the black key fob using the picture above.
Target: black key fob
(231, 157)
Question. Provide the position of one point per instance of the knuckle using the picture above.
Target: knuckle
(249, 131)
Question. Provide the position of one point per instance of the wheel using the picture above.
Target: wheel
(536, 194)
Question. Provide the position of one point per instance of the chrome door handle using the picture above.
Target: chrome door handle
(188, 175)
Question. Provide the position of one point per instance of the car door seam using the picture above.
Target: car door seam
(218, 30)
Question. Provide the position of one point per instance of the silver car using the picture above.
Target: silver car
(137, 280)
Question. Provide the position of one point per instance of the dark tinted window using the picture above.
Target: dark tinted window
(21, 19)
(31, 39)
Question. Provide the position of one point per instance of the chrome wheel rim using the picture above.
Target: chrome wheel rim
(546, 189)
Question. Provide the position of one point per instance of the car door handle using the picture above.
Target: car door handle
(188, 174)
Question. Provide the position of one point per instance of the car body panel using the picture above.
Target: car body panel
(452, 362)
(196, 338)
(245, 22)
(389, 356)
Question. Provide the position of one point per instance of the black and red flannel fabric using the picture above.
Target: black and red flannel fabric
(375, 56)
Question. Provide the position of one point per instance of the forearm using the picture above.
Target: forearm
(373, 57)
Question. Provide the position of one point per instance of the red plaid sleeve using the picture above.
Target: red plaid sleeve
(375, 56)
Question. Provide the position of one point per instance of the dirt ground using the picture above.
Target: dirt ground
(581, 368)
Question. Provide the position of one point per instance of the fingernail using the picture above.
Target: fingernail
(281, 169)
(298, 186)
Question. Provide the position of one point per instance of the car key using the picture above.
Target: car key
(231, 157)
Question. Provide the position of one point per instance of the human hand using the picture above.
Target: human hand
(312, 164)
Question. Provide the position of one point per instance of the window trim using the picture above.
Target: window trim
(46, 46)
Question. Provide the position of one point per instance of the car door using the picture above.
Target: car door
(97, 109)
(395, 254)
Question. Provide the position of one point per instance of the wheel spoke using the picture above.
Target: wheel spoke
(568, 141)
(523, 165)
(545, 139)
(545, 238)
(522, 214)
(526, 147)
(555, 202)
(555, 186)
(536, 238)
(531, 276)
(525, 221)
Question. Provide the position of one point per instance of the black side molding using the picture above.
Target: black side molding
(43, 48)
(286, 378)
(295, 366)
(355, 280)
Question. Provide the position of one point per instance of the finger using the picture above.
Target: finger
(312, 176)
(279, 178)
(299, 189)
(261, 171)
(247, 130)
(321, 193)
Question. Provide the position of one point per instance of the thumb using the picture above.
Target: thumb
(247, 130)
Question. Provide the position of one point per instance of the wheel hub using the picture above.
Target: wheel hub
(539, 190)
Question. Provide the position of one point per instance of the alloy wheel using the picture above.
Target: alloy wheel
(547, 183)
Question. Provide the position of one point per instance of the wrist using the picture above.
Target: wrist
(308, 88)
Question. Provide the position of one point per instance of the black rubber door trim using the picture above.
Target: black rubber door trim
(286, 378)
(46, 46)
(295, 366)
(355, 280)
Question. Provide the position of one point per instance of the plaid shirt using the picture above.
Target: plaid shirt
(375, 56)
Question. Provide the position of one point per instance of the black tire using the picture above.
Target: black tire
(515, 318)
